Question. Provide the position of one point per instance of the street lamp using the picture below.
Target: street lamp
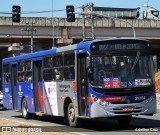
(15, 47)
(146, 5)
(134, 33)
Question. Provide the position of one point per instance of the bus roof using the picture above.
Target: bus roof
(79, 46)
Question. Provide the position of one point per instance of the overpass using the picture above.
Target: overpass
(49, 32)
(64, 32)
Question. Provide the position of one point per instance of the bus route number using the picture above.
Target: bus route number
(138, 98)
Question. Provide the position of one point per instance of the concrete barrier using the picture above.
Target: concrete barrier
(158, 100)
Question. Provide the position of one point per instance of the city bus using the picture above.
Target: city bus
(111, 78)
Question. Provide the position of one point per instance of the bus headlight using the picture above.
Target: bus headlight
(99, 101)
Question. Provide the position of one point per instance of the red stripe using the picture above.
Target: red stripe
(40, 98)
(111, 99)
(90, 100)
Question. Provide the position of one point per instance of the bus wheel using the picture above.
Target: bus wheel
(73, 121)
(124, 120)
(25, 113)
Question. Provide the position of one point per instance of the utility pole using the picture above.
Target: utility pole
(92, 20)
(85, 9)
(30, 30)
(83, 26)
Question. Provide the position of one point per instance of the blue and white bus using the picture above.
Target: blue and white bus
(112, 78)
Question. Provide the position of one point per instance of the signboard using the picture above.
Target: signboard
(107, 82)
(142, 82)
(120, 45)
(112, 83)
(116, 83)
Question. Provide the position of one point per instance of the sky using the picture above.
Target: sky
(49, 5)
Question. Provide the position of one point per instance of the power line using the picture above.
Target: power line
(37, 12)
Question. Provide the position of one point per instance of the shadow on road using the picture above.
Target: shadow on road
(98, 124)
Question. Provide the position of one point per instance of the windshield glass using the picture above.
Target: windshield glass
(155, 13)
(108, 71)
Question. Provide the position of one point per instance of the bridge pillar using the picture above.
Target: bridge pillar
(65, 34)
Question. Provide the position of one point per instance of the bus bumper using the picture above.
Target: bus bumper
(105, 109)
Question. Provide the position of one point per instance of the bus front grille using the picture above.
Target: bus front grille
(123, 111)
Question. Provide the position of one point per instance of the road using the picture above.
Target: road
(89, 127)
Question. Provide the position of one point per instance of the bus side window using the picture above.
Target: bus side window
(48, 62)
(48, 65)
(48, 74)
(28, 77)
(69, 73)
(21, 71)
(58, 61)
(20, 77)
(6, 68)
(69, 64)
(28, 70)
(58, 72)
(28, 65)
(7, 78)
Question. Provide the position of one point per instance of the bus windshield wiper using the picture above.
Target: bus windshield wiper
(136, 60)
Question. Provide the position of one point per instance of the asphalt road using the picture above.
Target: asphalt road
(103, 126)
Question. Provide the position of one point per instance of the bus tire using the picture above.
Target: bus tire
(73, 121)
(124, 120)
(25, 113)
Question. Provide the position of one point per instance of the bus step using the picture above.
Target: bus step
(83, 117)
(39, 113)
(16, 110)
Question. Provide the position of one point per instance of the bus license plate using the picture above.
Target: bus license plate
(128, 109)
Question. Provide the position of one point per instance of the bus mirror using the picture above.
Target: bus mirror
(90, 73)
(88, 53)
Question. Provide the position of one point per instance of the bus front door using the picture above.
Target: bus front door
(13, 85)
(37, 86)
(82, 89)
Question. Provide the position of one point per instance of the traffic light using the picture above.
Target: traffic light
(16, 11)
(70, 13)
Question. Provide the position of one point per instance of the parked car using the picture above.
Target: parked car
(1, 100)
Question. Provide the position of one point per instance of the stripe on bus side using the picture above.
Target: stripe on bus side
(40, 96)
(47, 105)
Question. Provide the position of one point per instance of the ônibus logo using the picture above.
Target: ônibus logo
(50, 90)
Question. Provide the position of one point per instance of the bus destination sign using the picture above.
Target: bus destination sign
(120, 47)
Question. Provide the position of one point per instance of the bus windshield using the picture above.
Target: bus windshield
(121, 71)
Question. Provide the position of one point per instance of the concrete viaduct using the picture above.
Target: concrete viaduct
(49, 32)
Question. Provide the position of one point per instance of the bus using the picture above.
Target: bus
(110, 78)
